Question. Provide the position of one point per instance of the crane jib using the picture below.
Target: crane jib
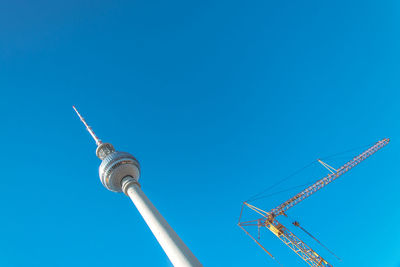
(329, 178)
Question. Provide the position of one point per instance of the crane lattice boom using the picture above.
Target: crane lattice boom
(328, 179)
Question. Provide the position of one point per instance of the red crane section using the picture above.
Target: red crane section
(328, 179)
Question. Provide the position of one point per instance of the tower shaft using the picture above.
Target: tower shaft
(178, 253)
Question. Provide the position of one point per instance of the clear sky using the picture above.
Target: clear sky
(217, 100)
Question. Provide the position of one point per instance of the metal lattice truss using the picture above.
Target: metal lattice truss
(293, 242)
(269, 221)
(328, 179)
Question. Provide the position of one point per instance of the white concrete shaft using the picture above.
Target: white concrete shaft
(178, 253)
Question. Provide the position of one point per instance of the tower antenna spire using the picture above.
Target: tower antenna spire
(90, 130)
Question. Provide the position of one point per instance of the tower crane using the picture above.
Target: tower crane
(270, 222)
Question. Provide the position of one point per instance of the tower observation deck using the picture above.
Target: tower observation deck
(120, 172)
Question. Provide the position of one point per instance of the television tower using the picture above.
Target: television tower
(119, 172)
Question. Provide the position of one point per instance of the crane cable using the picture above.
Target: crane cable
(283, 191)
(258, 195)
(297, 224)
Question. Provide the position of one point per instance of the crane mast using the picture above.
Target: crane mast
(270, 222)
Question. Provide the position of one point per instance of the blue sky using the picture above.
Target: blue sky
(217, 100)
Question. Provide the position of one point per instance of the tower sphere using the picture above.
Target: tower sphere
(115, 167)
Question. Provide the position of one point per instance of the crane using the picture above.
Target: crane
(270, 222)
